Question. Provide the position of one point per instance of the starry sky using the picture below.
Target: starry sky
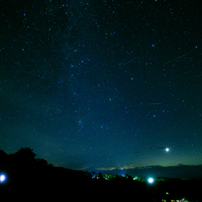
(102, 85)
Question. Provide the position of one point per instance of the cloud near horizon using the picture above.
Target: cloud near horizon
(106, 168)
(119, 167)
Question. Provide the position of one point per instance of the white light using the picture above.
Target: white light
(2, 178)
(150, 180)
(167, 149)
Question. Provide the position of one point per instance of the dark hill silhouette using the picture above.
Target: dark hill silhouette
(3, 154)
(29, 177)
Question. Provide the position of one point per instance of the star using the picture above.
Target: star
(167, 149)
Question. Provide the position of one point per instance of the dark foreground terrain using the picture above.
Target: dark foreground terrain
(28, 178)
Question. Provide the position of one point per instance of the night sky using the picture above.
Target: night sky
(102, 85)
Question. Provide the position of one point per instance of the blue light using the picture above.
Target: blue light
(2, 178)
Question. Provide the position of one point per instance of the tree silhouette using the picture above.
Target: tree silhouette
(128, 177)
(100, 176)
(25, 155)
(41, 162)
(3, 161)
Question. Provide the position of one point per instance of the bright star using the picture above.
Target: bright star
(167, 149)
